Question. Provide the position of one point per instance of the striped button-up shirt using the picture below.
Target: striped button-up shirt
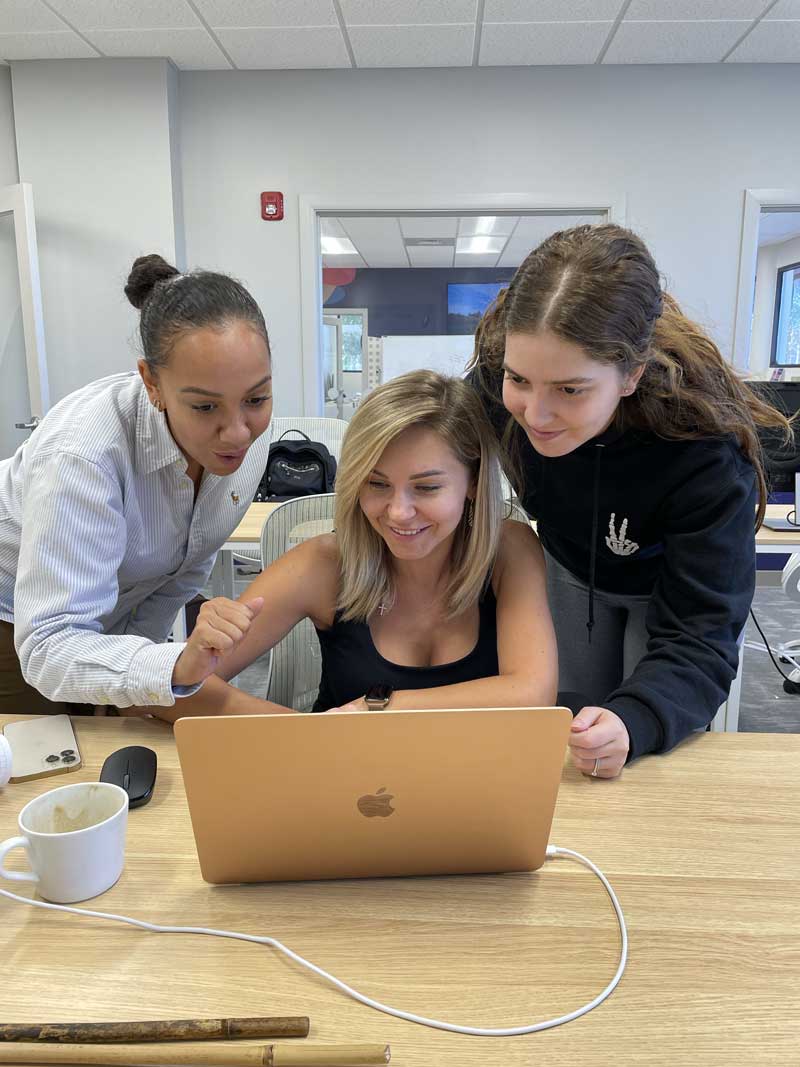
(102, 543)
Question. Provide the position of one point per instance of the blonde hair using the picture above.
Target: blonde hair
(450, 408)
(598, 287)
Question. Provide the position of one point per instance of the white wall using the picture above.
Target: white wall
(93, 138)
(9, 174)
(770, 258)
(681, 142)
(14, 404)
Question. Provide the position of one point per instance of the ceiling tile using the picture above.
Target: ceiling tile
(551, 10)
(342, 261)
(673, 42)
(378, 240)
(430, 256)
(244, 13)
(533, 229)
(487, 224)
(521, 44)
(413, 46)
(27, 16)
(66, 45)
(691, 10)
(406, 12)
(285, 48)
(775, 227)
(188, 49)
(465, 260)
(480, 245)
(331, 228)
(770, 42)
(429, 226)
(785, 9)
(125, 14)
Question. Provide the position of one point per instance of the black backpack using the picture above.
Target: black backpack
(296, 468)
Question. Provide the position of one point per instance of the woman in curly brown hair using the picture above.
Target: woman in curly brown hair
(635, 446)
(112, 512)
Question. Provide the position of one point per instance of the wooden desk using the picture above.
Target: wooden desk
(700, 845)
(248, 533)
(778, 540)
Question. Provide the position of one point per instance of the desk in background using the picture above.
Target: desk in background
(700, 845)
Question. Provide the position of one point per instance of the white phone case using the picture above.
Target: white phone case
(40, 747)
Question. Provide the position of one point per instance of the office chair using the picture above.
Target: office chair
(295, 664)
(787, 651)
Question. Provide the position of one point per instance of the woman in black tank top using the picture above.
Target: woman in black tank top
(424, 596)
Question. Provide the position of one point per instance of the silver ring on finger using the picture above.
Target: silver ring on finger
(594, 771)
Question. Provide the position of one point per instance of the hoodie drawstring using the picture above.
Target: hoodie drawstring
(593, 545)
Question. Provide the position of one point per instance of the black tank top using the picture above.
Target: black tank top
(351, 663)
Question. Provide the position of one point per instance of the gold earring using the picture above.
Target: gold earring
(470, 513)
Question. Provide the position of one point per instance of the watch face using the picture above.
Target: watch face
(378, 694)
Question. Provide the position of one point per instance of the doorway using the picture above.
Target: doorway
(25, 396)
(419, 279)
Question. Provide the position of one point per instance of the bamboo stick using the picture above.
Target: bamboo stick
(210, 1055)
(157, 1030)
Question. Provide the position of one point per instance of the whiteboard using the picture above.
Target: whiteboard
(448, 354)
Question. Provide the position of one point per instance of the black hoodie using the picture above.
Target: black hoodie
(671, 519)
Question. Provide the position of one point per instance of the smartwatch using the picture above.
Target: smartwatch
(377, 697)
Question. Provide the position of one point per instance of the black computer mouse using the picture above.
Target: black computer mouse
(133, 768)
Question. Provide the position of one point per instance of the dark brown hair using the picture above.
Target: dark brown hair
(598, 287)
(172, 304)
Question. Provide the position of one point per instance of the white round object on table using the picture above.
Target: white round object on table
(5, 761)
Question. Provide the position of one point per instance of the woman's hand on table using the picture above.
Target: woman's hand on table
(221, 625)
(599, 742)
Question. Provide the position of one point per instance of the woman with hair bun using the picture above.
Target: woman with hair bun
(635, 446)
(112, 512)
(423, 597)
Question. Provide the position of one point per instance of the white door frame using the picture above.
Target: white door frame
(311, 205)
(754, 201)
(18, 201)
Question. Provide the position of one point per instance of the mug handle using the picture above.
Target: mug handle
(15, 876)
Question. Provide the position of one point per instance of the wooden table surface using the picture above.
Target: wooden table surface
(701, 846)
(249, 529)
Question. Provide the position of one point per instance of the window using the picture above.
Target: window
(786, 324)
(352, 326)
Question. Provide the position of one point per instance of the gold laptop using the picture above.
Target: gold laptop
(356, 795)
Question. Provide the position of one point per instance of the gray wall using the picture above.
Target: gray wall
(682, 143)
(14, 403)
(93, 138)
(9, 174)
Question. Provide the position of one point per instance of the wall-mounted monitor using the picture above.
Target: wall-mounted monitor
(466, 303)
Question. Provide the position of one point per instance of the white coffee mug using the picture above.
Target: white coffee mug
(75, 840)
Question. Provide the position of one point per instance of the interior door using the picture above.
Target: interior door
(332, 366)
(25, 395)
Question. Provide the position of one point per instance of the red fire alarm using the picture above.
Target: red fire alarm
(272, 206)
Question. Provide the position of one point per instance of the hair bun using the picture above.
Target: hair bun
(147, 272)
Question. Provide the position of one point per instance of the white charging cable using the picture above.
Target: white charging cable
(474, 1031)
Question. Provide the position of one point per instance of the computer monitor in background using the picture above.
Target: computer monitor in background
(782, 460)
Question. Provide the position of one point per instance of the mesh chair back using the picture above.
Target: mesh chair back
(514, 510)
(329, 432)
(296, 661)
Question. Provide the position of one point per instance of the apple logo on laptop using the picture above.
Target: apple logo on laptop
(380, 803)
